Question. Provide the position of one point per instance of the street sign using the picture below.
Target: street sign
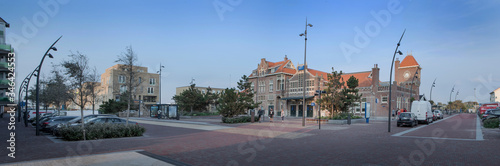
(313, 104)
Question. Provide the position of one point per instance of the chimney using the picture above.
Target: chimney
(286, 58)
(396, 71)
(375, 77)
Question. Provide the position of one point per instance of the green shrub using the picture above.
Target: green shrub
(101, 131)
(491, 123)
(342, 116)
(241, 119)
(200, 113)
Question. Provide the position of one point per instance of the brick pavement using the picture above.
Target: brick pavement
(276, 144)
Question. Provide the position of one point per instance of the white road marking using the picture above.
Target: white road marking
(479, 131)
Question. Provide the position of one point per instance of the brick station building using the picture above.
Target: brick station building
(279, 85)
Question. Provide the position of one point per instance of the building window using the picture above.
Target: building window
(123, 88)
(271, 85)
(140, 80)
(203, 91)
(384, 99)
(262, 86)
(121, 79)
(152, 81)
(151, 90)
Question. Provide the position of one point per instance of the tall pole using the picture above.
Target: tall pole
(411, 86)
(304, 104)
(38, 85)
(433, 85)
(452, 89)
(457, 94)
(390, 81)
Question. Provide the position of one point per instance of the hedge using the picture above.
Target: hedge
(101, 131)
(491, 123)
(241, 119)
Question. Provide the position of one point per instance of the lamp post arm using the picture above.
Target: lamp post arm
(38, 87)
(390, 82)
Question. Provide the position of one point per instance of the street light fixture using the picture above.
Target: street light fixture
(304, 104)
(457, 94)
(390, 81)
(433, 85)
(411, 86)
(38, 84)
(452, 89)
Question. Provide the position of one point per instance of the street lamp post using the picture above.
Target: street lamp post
(433, 85)
(160, 80)
(457, 94)
(24, 88)
(390, 80)
(304, 104)
(452, 89)
(38, 84)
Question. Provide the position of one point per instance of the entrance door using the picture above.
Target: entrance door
(309, 111)
(293, 110)
(301, 110)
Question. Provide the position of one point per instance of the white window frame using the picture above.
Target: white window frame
(152, 81)
(271, 85)
(382, 99)
(151, 90)
(121, 79)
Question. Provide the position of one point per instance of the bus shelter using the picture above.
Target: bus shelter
(165, 111)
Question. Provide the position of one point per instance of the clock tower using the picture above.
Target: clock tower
(408, 73)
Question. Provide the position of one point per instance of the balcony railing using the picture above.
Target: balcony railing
(5, 47)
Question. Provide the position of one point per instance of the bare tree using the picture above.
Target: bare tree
(93, 86)
(77, 70)
(129, 60)
(57, 90)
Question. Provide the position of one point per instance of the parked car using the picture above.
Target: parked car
(108, 119)
(492, 113)
(439, 114)
(407, 118)
(50, 124)
(422, 109)
(77, 121)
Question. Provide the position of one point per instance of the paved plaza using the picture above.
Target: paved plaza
(456, 140)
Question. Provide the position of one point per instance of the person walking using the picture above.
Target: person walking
(159, 114)
(271, 114)
(260, 112)
(282, 115)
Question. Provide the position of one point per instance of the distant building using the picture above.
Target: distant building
(113, 85)
(203, 90)
(279, 85)
(494, 96)
(5, 49)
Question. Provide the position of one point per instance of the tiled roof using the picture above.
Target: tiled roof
(409, 61)
(281, 67)
(363, 78)
(318, 73)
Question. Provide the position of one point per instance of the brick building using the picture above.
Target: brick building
(280, 85)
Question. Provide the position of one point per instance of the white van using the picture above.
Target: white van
(423, 111)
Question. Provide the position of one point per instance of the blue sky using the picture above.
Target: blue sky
(454, 41)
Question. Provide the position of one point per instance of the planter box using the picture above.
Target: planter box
(344, 121)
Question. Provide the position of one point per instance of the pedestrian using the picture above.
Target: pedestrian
(260, 112)
(406, 110)
(393, 111)
(282, 115)
(271, 114)
(159, 114)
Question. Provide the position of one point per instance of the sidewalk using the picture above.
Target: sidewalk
(117, 158)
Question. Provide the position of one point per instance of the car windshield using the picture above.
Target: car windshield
(405, 115)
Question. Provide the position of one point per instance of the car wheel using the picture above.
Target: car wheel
(398, 125)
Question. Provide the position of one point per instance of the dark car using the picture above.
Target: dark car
(104, 119)
(492, 113)
(50, 124)
(77, 121)
(407, 119)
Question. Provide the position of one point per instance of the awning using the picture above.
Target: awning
(296, 97)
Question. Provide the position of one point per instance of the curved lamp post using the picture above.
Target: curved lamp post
(38, 84)
(390, 80)
(452, 89)
(411, 86)
(304, 104)
(24, 88)
(433, 85)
